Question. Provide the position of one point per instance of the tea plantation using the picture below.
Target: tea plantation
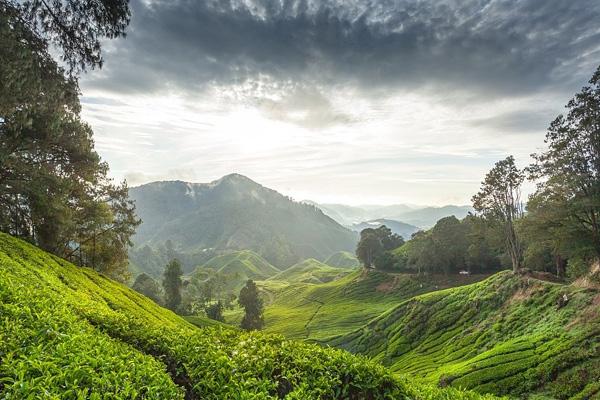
(506, 335)
(70, 333)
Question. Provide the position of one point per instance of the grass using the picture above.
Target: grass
(504, 335)
(70, 333)
(318, 312)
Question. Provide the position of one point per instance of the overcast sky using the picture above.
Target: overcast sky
(375, 101)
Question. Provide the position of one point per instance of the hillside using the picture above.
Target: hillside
(318, 312)
(343, 259)
(397, 227)
(234, 213)
(69, 332)
(505, 335)
(245, 263)
(310, 271)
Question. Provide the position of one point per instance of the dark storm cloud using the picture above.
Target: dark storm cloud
(504, 47)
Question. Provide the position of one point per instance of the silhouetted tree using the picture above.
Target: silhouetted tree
(172, 285)
(253, 307)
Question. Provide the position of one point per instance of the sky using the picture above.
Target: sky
(345, 101)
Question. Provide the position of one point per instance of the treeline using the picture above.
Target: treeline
(557, 229)
(54, 188)
(205, 294)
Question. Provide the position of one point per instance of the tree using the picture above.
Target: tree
(54, 188)
(369, 247)
(215, 311)
(570, 169)
(499, 200)
(147, 286)
(373, 242)
(253, 307)
(172, 285)
(75, 27)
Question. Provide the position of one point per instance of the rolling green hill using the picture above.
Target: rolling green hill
(70, 333)
(318, 312)
(245, 263)
(343, 259)
(507, 335)
(310, 271)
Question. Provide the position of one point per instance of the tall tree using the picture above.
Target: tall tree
(570, 168)
(172, 285)
(499, 200)
(369, 247)
(253, 307)
(54, 189)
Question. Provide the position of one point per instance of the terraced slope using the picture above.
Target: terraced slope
(343, 259)
(310, 271)
(505, 335)
(70, 333)
(245, 263)
(319, 312)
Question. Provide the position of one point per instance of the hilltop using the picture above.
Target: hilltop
(506, 335)
(310, 271)
(69, 332)
(232, 213)
(397, 227)
(343, 259)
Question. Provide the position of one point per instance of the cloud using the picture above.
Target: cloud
(493, 46)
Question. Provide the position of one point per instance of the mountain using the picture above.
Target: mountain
(310, 271)
(422, 217)
(69, 332)
(400, 228)
(508, 335)
(428, 216)
(234, 213)
(343, 259)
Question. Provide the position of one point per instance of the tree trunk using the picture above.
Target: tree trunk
(561, 266)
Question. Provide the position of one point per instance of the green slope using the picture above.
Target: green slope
(70, 333)
(343, 259)
(245, 263)
(320, 311)
(505, 335)
(310, 271)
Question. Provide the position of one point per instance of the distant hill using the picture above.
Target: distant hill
(423, 217)
(234, 213)
(428, 216)
(400, 228)
(343, 259)
(311, 271)
(246, 264)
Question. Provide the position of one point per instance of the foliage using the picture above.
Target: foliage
(310, 271)
(77, 27)
(54, 189)
(250, 300)
(147, 286)
(567, 200)
(69, 332)
(172, 285)
(499, 199)
(215, 311)
(374, 242)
